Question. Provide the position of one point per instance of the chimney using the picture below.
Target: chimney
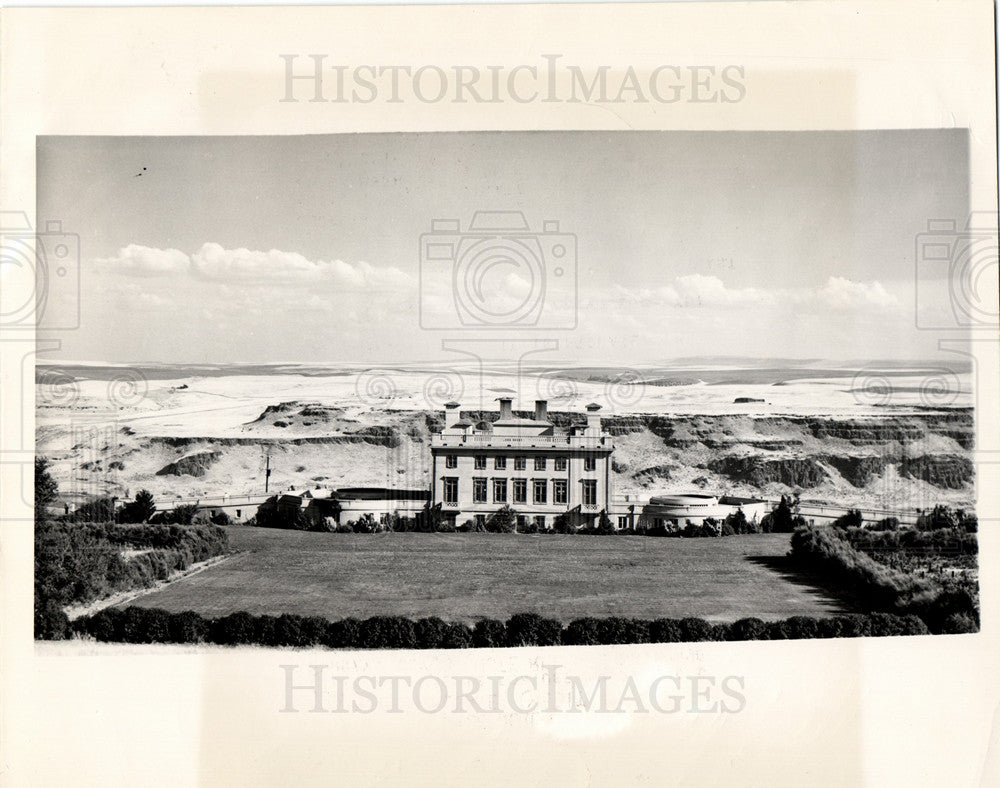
(593, 419)
(451, 414)
(506, 408)
(541, 410)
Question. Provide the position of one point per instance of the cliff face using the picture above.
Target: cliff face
(760, 471)
(890, 460)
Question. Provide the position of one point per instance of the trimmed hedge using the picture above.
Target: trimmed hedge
(150, 625)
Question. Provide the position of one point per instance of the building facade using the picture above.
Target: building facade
(537, 468)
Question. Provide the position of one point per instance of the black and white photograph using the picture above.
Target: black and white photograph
(500, 394)
(496, 389)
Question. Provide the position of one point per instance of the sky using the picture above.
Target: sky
(669, 244)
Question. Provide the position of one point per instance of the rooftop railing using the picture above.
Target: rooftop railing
(489, 440)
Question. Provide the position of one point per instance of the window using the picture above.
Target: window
(560, 463)
(590, 463)
(559, 491)
(451, 461)
(589, 492)
(540, 491)
(500, 463)
(623, 522)
(499, 491)
(451, 489)
(478, 489)
(480, 462)
(520, 490)
(480, 521)
(522, 522)
(540, 522)
(239, 512)
(539, 463)
(520, 463)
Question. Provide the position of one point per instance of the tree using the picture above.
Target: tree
(784, 518)
(563, 523)
(183, 515)
(737, 522)
(604, 526)
(139, 510)
(853, 519)
(96, 510)
(502, 521)
(46, 488)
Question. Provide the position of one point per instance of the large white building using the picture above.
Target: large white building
(539, 469)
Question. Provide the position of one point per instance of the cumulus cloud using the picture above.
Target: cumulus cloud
(700, 290)
(234, 266)
(696, 291)
(136, 260)
(840, 293)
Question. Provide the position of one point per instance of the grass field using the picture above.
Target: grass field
(468, 576)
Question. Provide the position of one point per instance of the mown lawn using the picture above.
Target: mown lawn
(469, 576)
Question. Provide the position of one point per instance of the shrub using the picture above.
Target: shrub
(345, 633)
(695, 629)
(852, 519)
(456, 635)
(187, 627)
(582, 632)
(489, 633)
(429, 632)
(387, 632)
(233, 630)
(880, 588)
(800, 627)
(530, 629)
(51, 623)
(665, 630)
(747, 629)
(502, 521)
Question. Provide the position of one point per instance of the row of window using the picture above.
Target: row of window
(520, 463)
(539, 521)
(519, 490)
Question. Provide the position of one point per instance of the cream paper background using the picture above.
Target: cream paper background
(876, 712)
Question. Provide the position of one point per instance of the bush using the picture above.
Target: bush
(345, 633)
(187, 627)
(489, 633)
(696, 629)
(502, 521)
(51, 623)
(530, 629)
(879, 588)
(800, 627)
(853, 519)
(429, 632)
(457, 635)
(236, 629)
(582, 632)
(387, 632)
(747, 629)
(665, 630)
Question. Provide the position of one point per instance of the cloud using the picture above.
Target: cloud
(840, 293)
(696, 291)
(699, 290)
(241, 266)
(135, 260)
